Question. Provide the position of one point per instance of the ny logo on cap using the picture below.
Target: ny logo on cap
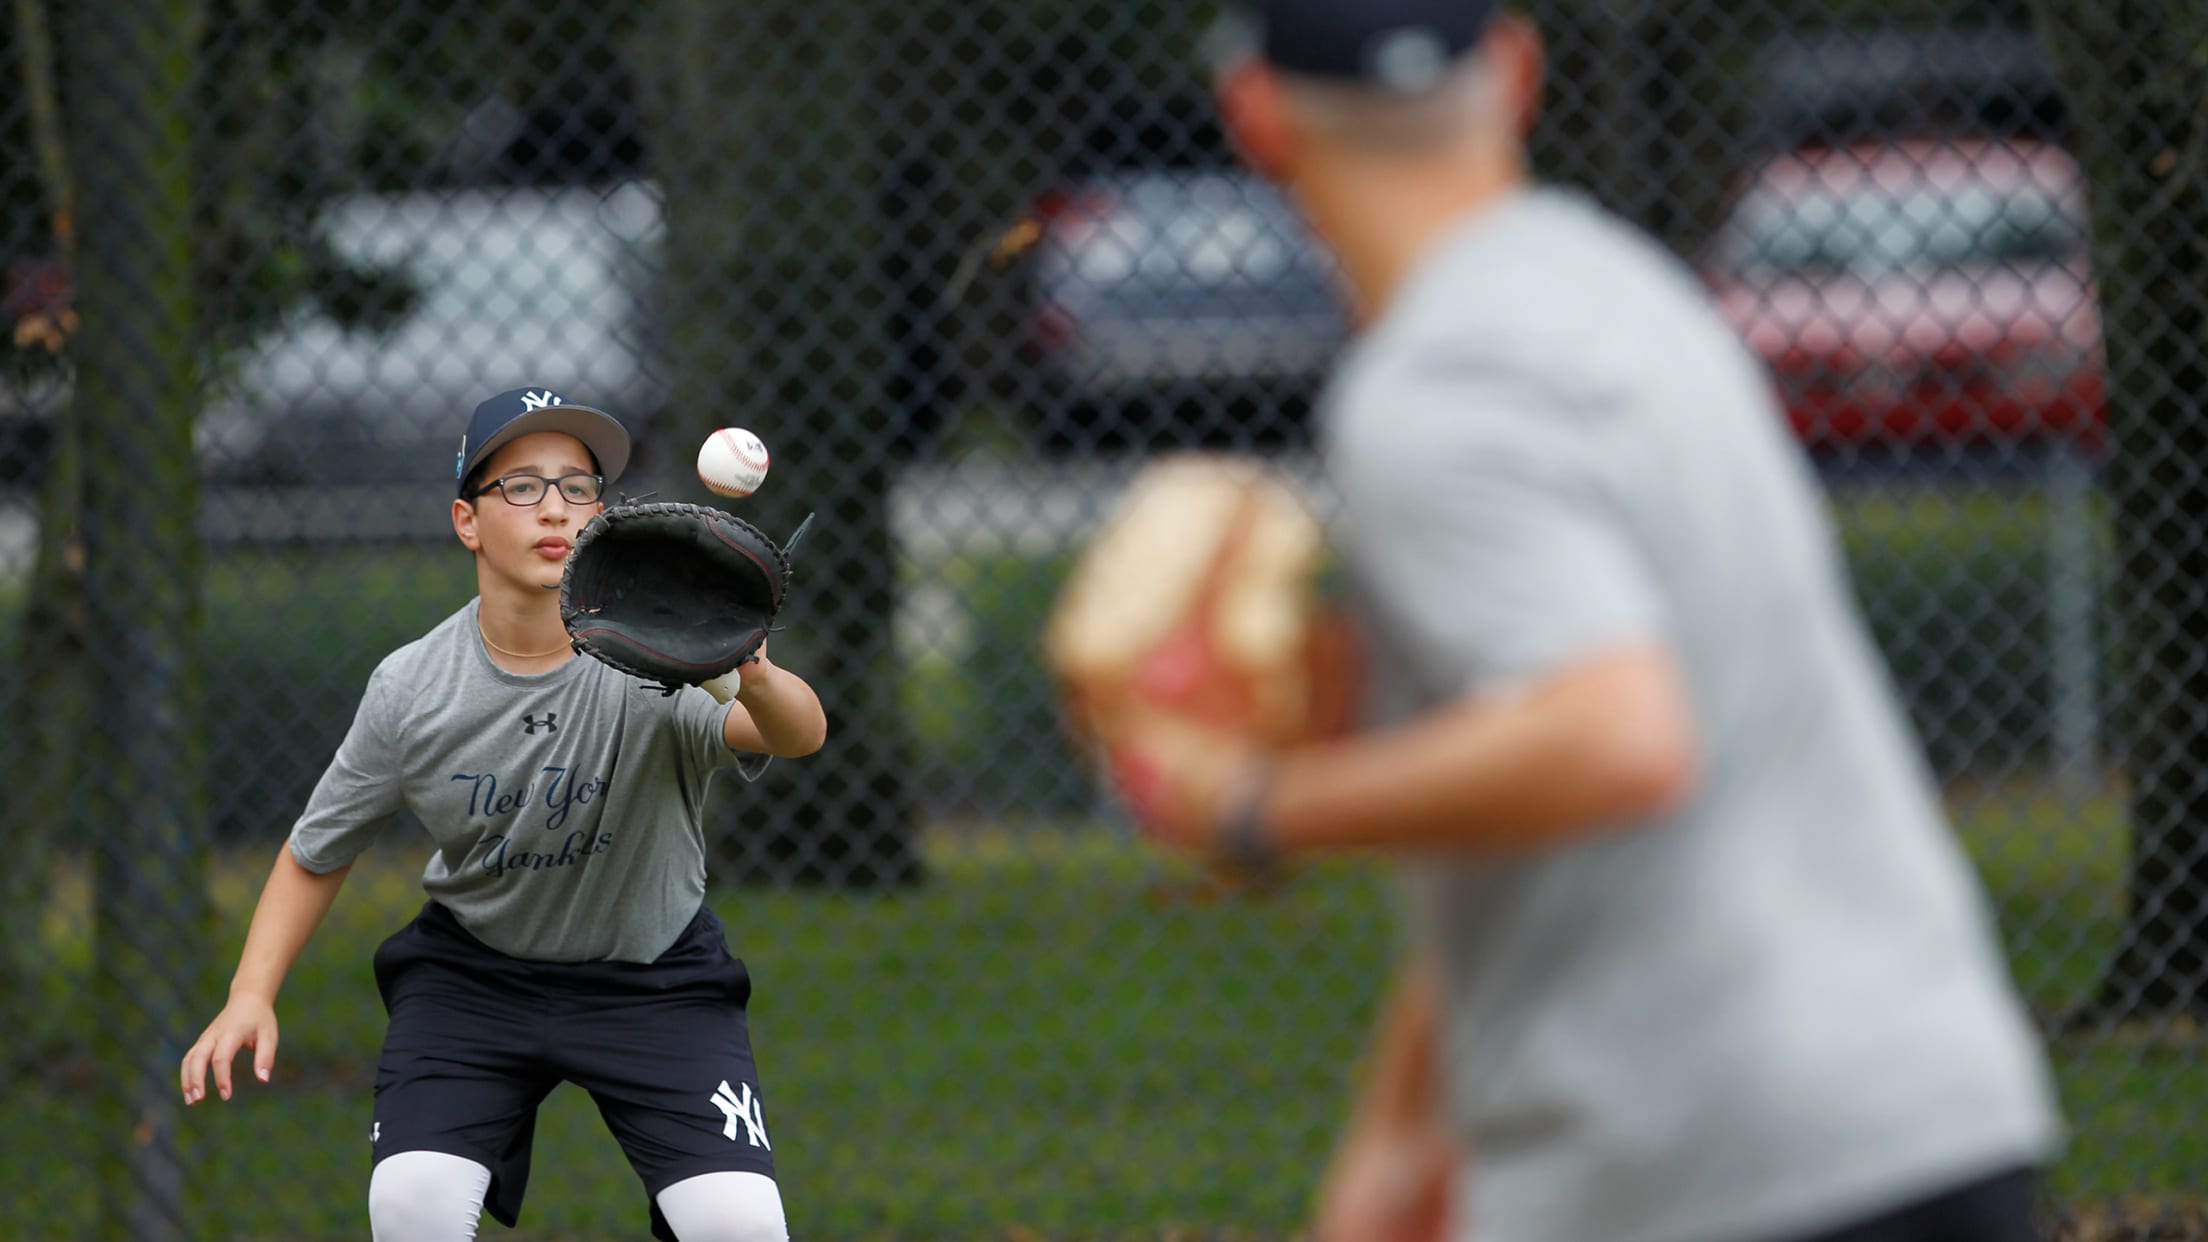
(540, 400)
(1410, 60)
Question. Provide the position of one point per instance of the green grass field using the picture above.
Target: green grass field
(1050, 1039)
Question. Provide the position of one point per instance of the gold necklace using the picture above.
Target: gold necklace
(519, 655)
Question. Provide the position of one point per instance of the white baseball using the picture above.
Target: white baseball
(732, 462)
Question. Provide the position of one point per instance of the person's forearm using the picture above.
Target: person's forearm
(786, 713)
(292, 905)
(1602, 745)
(1402, 1084)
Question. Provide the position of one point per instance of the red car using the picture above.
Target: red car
(1919, 294)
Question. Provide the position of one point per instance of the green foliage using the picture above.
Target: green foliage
(1955, 588)
(981, 706)
(290, 638)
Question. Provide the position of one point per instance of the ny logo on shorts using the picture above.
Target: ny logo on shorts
(530, 724)
(741, 1108)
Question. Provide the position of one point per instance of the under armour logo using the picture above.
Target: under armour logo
(742, 1109)
(375, 1132)
(530, 724)
(539, 400)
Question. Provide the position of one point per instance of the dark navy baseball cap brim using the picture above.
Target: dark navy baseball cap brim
(1402, 46)
(510, 415)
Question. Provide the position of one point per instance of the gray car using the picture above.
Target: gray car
(1166, 307)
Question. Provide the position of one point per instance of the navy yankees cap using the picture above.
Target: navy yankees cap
(1405, 46)
(516, 413)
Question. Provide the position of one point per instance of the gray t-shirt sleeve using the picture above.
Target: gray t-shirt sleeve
(704, 723)
(1485, 530)
(360, 791)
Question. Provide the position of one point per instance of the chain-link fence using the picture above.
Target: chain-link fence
(962, 265)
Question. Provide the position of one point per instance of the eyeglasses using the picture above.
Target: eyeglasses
(528, 489)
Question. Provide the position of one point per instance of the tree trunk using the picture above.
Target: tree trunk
(128, 64)
(239, 118)
(761, 145)
(2136, 72)
(50, 704)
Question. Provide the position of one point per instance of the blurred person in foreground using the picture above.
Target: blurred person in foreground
(1694, 954)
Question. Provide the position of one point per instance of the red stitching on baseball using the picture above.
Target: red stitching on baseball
(736, 446)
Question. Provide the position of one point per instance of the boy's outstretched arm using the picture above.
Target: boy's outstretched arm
(776, 712)
(291, 906)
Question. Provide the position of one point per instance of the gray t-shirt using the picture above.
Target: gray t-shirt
(1782, 1004)
(564, 806)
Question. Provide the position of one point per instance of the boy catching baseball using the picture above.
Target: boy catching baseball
(565, 938)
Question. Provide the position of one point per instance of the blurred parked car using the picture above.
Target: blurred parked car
(1155, 294)
(1178, 306)
(1916, 294)
(1906, 295)
(510, 286)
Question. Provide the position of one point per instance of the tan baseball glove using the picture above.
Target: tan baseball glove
(1195, 621)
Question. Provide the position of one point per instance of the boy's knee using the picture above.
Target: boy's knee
(426, 1196)
(725, 1207)
(753, 1228)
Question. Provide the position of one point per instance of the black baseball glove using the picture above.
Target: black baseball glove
(676, 594)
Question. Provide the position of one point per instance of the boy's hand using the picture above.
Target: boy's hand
(743, 682)
(754, 672)
(246, 1022)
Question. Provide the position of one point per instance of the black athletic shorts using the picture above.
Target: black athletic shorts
(2002, 1208)
(477, 1039)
